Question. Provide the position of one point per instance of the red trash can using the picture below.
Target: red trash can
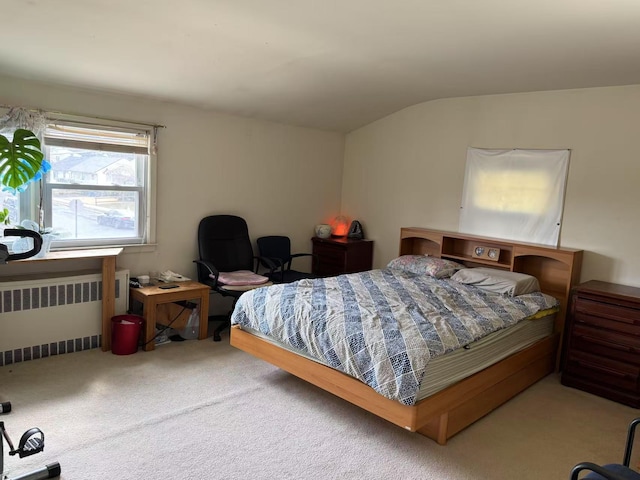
(125, 333)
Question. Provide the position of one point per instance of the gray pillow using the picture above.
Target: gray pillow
(425, 265)
(498, 281)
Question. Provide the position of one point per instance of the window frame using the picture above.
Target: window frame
(146, 234)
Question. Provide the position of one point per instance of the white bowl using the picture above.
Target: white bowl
(323, 230)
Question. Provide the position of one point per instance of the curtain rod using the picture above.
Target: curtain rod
(34, 109)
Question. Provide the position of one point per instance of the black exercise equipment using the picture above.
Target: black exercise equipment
(32, 441)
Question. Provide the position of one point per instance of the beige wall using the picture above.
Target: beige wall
(281, 179)
(407, 169)
(404, 170)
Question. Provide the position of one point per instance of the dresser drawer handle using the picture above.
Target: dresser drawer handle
(602, 369)
(604, 343)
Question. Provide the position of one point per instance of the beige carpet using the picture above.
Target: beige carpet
(204, 410)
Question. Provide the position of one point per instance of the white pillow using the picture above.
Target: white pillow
(498, 281)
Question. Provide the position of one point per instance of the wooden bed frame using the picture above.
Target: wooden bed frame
(445, 413)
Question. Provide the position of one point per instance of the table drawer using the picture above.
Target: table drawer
(626, 397)
(607, 315)
(332, 258)
(603, 370)
(625, 348)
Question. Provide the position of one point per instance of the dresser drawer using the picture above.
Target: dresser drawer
(602, 370)
(342, 255)
(610, 344)
(627, 397)
(606, 315)
(327, 253)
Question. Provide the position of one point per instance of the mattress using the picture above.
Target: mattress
(454, 366)
(382, 327)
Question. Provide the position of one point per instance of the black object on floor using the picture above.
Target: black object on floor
(225, 323)
(31, 442)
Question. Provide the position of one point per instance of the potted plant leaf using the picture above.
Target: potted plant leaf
(4, 216)
(21, 161)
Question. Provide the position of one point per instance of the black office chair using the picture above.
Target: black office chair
(612, 471)
(226, 262)
(276, 251)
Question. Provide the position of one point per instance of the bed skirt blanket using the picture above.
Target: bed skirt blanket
(381, 326)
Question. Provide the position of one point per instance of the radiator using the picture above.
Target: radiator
(40, 317)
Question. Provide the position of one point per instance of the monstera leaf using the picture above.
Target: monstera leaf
(21, 161)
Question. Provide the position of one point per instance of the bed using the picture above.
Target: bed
(460, 396)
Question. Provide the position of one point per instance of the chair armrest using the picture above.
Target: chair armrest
(608, 474)
(274, 265)
(302, 255)
(271, 263)
(314, 257)
(629, 445)
(210, 267)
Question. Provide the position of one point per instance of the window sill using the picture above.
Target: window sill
(148, 247)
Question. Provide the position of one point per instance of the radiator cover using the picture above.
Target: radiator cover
(60, 314)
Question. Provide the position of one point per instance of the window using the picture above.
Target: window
(514, 194)
(98, 191)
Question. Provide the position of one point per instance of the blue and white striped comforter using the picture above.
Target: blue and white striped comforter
(381, 326)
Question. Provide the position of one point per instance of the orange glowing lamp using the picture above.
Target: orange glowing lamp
(340, 226)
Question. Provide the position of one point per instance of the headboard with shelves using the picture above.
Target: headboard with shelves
(557, 269)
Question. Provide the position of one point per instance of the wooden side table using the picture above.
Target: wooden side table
(152, 296)
(335, 256)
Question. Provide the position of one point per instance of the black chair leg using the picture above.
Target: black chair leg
(224, 325)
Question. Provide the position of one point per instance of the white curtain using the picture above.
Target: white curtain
(514, 194)
(18, 117)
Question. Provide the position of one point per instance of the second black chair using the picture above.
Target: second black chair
(612, 471)
(277, 249)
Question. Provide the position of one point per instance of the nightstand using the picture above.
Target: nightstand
(334, 256)
(153, 296)
(603, 341)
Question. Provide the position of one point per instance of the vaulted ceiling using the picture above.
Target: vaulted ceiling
(329, 64)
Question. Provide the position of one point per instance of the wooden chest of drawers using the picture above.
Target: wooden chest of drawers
(603, 342)
(335, 256)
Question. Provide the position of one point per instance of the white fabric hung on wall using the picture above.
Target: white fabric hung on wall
(514, 194)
